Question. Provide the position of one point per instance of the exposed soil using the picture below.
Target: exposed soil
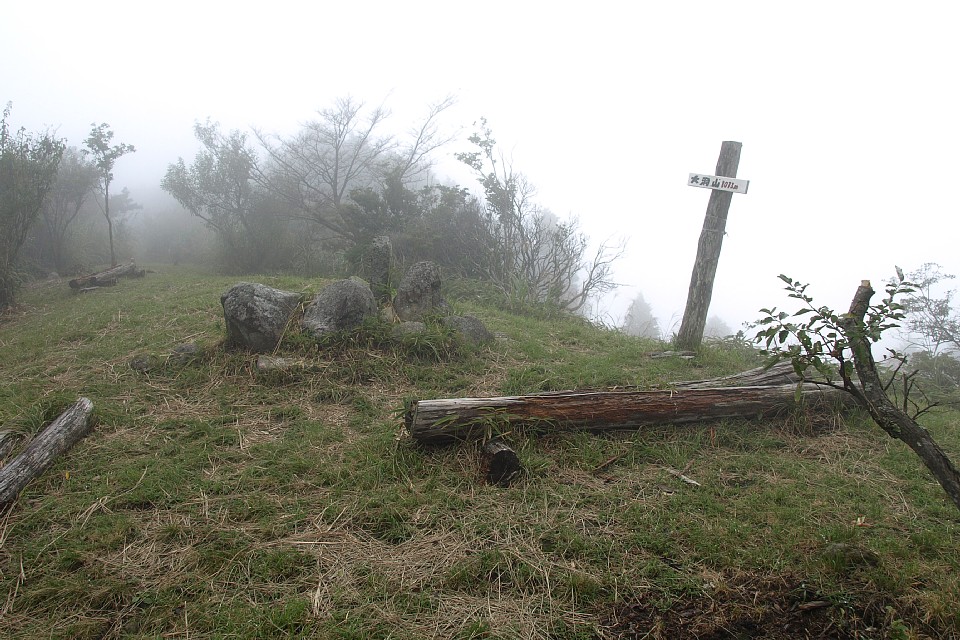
(748, 606)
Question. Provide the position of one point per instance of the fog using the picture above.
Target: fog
(846, 111)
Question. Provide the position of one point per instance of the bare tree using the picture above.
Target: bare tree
(932, 323)
(342, 151)
(413, 158)
(314, 171)
(536, 257)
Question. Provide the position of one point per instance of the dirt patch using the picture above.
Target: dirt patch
(750, 606)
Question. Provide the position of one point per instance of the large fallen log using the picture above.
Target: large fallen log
(449, 420)
(64, 432)
(106, 278)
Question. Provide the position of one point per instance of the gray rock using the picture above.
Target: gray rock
(407, 329)
(184, 353)
(340, 305)
(256, 315)
(470, 329)
(388, 315)
(418, 293)
(144, 363)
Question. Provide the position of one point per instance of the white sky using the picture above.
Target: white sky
(848, 113)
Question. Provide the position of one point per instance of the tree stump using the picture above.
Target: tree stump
(503, 464)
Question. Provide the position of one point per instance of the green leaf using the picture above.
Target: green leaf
(798, 367)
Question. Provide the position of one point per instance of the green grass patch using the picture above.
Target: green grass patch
(215, 501)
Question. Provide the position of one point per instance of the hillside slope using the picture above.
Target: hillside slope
(215, 501)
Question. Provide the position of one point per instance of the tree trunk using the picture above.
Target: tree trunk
(64, 432)
(449, 420)
(708, 253)
(105, 278)
(106, 212)
(872, 396)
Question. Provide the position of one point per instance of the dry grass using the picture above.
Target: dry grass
(214, 500)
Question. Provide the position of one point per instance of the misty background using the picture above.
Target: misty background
(847, 115)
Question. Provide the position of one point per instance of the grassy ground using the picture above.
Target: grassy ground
(214, 501)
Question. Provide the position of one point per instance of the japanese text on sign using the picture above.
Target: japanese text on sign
(718, 182)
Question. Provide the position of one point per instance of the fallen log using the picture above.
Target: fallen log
(449, 420)
(779, 374)
(64, 432)
(106, 278)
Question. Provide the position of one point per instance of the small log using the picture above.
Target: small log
(779, 374)
(449, 420)
(106, 278)
(503, 464)
(64, 432)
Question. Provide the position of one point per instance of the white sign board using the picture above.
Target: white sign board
(718, 182)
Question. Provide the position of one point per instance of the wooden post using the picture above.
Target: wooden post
(708, 253)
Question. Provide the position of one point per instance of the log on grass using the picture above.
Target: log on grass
(502, 462)
(779, 374)
(449, 420)
(106, 278)
(64, 432)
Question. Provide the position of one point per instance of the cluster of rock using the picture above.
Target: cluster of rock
(257, 316)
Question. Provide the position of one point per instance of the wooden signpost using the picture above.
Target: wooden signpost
(723, 185)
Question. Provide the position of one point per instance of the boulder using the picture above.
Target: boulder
(340, 305)
(470, 329)
(256, 315)
(418, 293)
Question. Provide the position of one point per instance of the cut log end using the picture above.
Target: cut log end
(503, 464)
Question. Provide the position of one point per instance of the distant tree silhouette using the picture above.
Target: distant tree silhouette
(640, 320)
(104, 157)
